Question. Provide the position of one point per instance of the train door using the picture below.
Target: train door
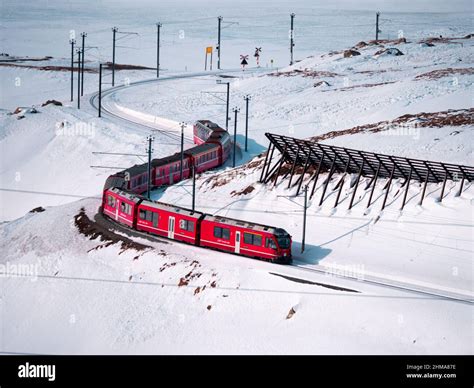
(154, 217)
(171, 227)
(237, 242)
(117, 207)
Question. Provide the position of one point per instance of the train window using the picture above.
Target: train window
(149, 216)
(225, 233)
(248, 238)
(221, 233)
(111, 201)
(269, 243)
(143, 214)
(186, 225)
(253, 239)
(125, 208)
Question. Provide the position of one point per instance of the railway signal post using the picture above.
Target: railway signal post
(72, 42)
(236, 110)
(247, 99)
(149, 151)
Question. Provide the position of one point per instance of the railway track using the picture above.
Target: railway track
(93, 100)
(381, 282)
(297, 265)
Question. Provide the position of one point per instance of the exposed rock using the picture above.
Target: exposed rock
(54, 102)
(351, 53)
(39, 209)
(389, 51)
(426, 44)
(291, 313)
(321, 84)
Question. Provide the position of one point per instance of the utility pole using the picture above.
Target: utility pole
(377, 26)
(292, 44)
(72, 42)
(83, 36)
(158, 27)
(304, 217)
(236, 110)
(219, 21)
(183, 125)
(100, 89)
(78, 78)
(246, 98)
(150, 141)
(194, 187)
(114, 30)
(219, 81)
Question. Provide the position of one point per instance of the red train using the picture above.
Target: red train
(123, 203)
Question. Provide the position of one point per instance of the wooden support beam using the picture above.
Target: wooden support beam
(375, 183)
(270, 147)
(444, 186)
(388, 187)
(356, 184)
(316, 176)
(460, 187)
(424, 187)
(294, 165)
(342, 182)
(406, 188)
(301, 179)
(279, 167)
(333, 166)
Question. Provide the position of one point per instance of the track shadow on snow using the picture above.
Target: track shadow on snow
(304, 281)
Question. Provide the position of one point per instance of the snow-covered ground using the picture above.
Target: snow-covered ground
(78, 295)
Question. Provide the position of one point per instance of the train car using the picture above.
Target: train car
(116, 180)
(202, 129)
(169, 221)
(221, 136)
(167, 171)
(204, 156)
(121, 206)
(245, 238)
(136, 178)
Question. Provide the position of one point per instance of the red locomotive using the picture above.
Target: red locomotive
(122, 202)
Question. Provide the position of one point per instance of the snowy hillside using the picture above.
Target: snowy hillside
(369, 281)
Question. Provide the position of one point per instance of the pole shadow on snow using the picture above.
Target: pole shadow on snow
(313, 254)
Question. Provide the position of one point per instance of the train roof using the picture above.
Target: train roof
(207, 123)
(166, 160)
(172, 208)
(248, 225)
(136, 169)
(201, 148)
(131, 197)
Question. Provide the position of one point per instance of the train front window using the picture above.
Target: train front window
(284, 242)
(269, 243)
(111, 201)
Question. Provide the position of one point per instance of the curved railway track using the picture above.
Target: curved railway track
(297, 265)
